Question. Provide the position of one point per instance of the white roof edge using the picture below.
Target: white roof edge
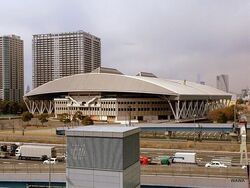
(171, 87)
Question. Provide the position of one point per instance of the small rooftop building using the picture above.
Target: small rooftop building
(108, 95)
(103, 157)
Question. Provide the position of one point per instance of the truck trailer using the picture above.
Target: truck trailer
(181, 157)
(35, 152)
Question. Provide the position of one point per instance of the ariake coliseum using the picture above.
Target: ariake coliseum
(108, 95)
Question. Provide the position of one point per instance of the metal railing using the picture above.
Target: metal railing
(197, 171)
(32, 168)
(172, 170)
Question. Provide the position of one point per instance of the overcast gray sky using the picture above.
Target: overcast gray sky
(176, 39)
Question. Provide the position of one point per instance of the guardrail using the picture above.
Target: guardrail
(35, 139)
(173, 170)
(32, 168)
(197, 171)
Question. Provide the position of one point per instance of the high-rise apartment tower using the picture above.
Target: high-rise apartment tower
(64, 54)
(222, 82)
(11, 68)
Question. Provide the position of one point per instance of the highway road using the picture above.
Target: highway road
(203, 156)
(26, 166)
(229, 158)
(29, 166)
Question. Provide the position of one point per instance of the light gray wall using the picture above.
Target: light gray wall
(95, 153)
(102, 153)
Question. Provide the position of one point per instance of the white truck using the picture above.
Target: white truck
(35, 152)
(181, 157)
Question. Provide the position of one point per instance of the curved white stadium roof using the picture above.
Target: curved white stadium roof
(106, 82)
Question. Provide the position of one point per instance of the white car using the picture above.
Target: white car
(216, 164)
(50, 161)
(244, 167)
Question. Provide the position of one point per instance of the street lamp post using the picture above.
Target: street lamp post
(235, 115)
(49, 174)
(194, 126)
(200, 133)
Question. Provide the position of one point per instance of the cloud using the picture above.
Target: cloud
(174, 39)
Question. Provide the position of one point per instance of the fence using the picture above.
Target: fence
(32, 168)
(173, 170)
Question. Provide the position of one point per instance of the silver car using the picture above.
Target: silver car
(215, 164)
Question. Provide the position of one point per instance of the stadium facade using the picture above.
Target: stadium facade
(108, 95)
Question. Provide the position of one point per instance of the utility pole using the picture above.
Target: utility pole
(49, 173)
(235, 114)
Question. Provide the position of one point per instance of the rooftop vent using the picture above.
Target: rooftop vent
(146, 74)
(106, 70)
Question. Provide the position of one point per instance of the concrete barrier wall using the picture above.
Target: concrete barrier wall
(185, 181)
(32, 177)
(158, 180)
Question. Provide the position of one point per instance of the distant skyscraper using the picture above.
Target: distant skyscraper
(222, 82)
(64, 54)
(11, 68)
(202, 83)
(27, 89)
